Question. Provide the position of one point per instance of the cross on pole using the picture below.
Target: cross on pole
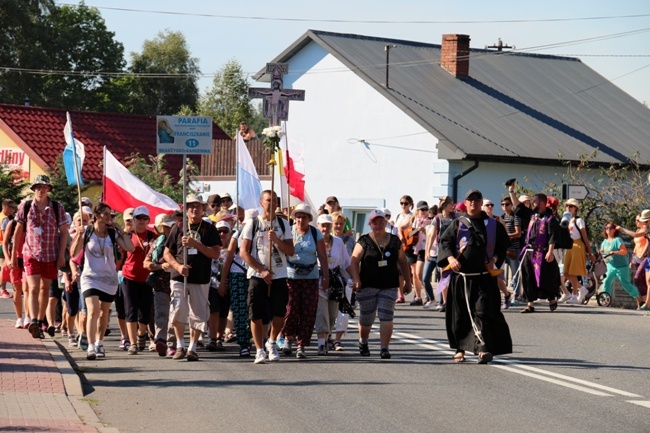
(276, 99)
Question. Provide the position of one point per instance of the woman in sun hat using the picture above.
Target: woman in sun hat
(575, 259)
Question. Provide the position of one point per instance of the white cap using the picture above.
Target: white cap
(223, 224)
(140, 210)
(324, 219)
(87, 209)
(376, 214)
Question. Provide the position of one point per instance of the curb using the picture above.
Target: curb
(74, 390)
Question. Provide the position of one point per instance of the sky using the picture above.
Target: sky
(254, 32)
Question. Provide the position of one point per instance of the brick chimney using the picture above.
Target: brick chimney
(454, 54)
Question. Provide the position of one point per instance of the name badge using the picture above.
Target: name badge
(38, 231)
(382, 263)
(192, 251)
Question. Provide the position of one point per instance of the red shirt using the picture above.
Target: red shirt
(133, 268)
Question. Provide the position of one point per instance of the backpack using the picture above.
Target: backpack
(55, 208)
(112, 234)
(564, 240)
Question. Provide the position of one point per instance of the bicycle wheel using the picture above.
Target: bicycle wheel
(604, 299)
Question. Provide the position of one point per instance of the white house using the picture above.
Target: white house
(385, 117)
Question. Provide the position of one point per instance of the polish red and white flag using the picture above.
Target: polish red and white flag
(122, 190)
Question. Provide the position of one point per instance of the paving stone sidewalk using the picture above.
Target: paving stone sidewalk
(39, 391)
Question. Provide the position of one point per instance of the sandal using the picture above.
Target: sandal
(528, 309)
(459, 356)
(553, 306)
(484, 357)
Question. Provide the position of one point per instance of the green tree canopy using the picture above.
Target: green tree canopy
(38, 35)
(227, 101)
(165, 54)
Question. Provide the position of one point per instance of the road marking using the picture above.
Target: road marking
(640, 403)
(522, 369)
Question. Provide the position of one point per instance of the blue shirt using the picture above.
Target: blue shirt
(305, 255)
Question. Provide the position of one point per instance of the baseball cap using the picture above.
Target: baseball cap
(324, 219)
(422, 205)
(473, 193)
(331, 198)
(222, 224)
(523, 198)
(140, 210)
(127, 214)
(214, 199)
(377, 213)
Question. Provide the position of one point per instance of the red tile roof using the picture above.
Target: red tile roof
(41, 129)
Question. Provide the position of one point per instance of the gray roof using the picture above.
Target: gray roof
(513, 106)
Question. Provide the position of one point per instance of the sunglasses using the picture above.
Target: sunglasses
(222, 232)
(569, 205)
(142, 217)
(214, 205)
(405, 203)
(489, 205)
(609, 227)
(226, 199)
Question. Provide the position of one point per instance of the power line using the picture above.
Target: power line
(322, 20)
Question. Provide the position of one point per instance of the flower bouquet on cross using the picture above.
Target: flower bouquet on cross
(272, 136)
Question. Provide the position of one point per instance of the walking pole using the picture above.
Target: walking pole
(184, 216)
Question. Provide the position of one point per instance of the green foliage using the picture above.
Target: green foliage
(61, 191)
(166, 54)
(12, 185)
(616, 192)
(40, 35)
(151, 170)
(227, 101)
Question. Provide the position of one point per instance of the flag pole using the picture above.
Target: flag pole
(76, 162)
(237, 136)
(288, 173)
(184, 216)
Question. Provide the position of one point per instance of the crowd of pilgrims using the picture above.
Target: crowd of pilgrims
(269, 280)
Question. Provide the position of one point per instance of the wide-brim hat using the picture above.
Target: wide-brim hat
(302, 208)
(162, 220)
(572, 202)
(41, 179)
(645, 216)
(193, 198)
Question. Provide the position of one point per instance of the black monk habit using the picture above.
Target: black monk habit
(482, 291)
(549, 278)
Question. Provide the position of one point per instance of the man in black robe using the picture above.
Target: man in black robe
(539, 270)
(471, 246)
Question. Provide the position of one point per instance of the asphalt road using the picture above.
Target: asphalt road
(579, 369)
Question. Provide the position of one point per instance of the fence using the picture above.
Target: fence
(222, 162)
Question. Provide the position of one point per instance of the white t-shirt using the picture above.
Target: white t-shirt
(574, 226)
(336, 256)
(99, 268)
(260, 246)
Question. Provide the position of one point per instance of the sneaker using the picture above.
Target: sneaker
(364, 350)
(565, 297)
(416, 301)
(133, 350)
(280, 342)
(286, 348)
(440, 307)
(573, 300)
(51, 330)
(26, 322)
(41, 334)
(507, 302)
(101, 352)
(161, 348)
(429, 304)
(300, 353)
(272, 349)
(582, 294)
(400, 300)
(152, 346)
(91, 355)
(220, 347)
(34, 329)
(644, 307)
(443, 308)
(19, 323)
(6, 295)
(384, 353)
(260, 358)
(192, 356)
(171, 352)
(244, 352)
(83, 342)
(338, 346)
(322, 350)
(72, 341)
(180, 353)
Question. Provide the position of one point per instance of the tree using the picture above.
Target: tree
(41, 36)
(166, 54)
(151, 170)
(227, 101)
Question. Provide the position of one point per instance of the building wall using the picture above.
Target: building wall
(358, 145)
(30, 166)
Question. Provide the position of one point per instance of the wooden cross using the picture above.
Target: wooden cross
(276, 99)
